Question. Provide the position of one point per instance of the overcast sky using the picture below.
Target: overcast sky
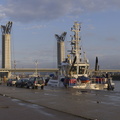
(35, 22)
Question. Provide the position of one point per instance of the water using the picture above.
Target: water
(117, 86)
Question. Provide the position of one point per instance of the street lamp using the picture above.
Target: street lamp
(14, 67)
(36, 63)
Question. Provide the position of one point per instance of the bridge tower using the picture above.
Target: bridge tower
(6, 45)
(60, 48)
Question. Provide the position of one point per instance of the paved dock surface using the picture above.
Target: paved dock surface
(14, 109)
(83, 104)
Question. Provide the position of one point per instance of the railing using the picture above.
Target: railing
(100, 80)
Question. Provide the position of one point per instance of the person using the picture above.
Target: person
(110, 87)
(62, 79)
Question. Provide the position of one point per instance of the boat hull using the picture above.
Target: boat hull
(91, 86)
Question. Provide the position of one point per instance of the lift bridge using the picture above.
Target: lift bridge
(6, 72)
(6, 69)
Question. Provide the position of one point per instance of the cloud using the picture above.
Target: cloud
(39, 10)
(111, 39)
(2, 14)
(30, 10)
(91, 27)
(35, 27)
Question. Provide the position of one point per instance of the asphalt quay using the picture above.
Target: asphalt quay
(87, 104)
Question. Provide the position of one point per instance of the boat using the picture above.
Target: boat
(74, 70)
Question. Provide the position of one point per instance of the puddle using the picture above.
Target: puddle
(113, 98)
(81, 92)
(105, 103)
(4, 106)
(15, 100)
(37, 108)
(50, 94)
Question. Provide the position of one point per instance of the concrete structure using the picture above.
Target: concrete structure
(60, 48)
(6, 48)
(6, 45)
(6, 51)
(60, 52)
(7, 72)
(29, 70)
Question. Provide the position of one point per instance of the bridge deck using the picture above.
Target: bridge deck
(50, 70)
(29, 70)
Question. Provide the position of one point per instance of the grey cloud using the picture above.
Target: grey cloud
(38, 10)
(2, 14)
(30, 10)
(35, 27)
(111, 39)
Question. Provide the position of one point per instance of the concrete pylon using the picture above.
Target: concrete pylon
(6, 45)
(60, 48)
(60, 52)
(6, 51)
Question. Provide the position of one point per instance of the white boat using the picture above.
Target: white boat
(75, 66)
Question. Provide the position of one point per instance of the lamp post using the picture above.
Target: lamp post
(36, 63)
(14, 67)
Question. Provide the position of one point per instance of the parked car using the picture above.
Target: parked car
(21, 82)
(11, 82)
(36, 82)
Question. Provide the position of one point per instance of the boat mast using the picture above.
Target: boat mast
(75, 42)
